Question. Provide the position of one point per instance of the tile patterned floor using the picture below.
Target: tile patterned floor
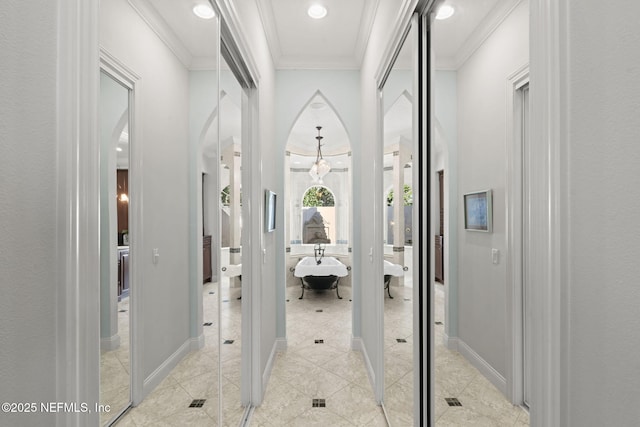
(327, 370)
(482, 403)
(114, 368)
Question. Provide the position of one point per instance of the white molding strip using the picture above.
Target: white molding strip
(265, 10)
(196, 343)
(483, 366)
(159, 26)
(401, 23)
(514, 214)
(77, 242)
(489, 24)
(364, 32)
(162, 371)
(450, 342)
(548, 256)
(279, 346)
(111, 343)
(357, 344)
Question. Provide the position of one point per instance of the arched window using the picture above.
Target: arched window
(318, 216)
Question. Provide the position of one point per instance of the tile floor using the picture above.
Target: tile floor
(482, 403)
(327, 370)
(114, 368)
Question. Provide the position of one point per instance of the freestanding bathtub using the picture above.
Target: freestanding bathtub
(323, 274)
(390, 270)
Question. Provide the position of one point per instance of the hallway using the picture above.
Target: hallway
(329, 370)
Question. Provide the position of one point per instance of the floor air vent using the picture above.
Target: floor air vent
(197, 403)
(452, 401)
(318, 403)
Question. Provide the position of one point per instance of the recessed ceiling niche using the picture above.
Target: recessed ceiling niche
(302, 142)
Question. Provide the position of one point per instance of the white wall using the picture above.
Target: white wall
(446, 106)
(601, 225)
(482, 145)
(164, 92)
(28, 207)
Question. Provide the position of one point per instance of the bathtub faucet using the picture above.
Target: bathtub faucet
(318, 252)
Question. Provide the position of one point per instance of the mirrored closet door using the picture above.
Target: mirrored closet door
(115, 279)
(399, 292)
(231, 213)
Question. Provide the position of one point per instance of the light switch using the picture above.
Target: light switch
(156, 255)
(495, 256)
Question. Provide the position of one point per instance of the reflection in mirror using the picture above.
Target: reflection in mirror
(230, 250)
(398, 239)
(199, 372)
(114, 263)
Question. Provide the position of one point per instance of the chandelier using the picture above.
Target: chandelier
(321, 167)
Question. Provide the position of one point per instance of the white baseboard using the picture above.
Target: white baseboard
(196, 343)
(156, 377)
(483, 366)
(110, 344)
(279, 345)
(450, 343)
(357, 344)
(456, 344)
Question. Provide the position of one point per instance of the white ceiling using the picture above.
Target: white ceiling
(337, 41)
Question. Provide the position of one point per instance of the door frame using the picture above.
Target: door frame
(128, 78)
(514, 214)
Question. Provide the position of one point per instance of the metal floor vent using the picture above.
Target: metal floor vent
(228, 342)
(122, 311)
(225, 300)
(207, 324)
(452, 401)
(319, 311)
(211, 293)
(438, 323)
(318, 403)
(197, 403)
(319, 341)
(401, 340)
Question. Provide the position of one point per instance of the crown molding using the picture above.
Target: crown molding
(159, 26)
(481, 33)
(265, 10)
(302, 62)
(366, 26)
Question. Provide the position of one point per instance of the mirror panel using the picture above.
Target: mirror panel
(115, 365)
(399, 296)
(230, 249)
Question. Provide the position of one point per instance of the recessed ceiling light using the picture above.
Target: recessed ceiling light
(118, 148)
(204, 11)
(445, 12)
(317, 11)
(318, 105)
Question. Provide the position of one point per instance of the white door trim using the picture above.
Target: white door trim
(549, 212)
(77, 277)
(514, 377)
(124, 75)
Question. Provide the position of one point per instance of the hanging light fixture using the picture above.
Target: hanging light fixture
(321, 167)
